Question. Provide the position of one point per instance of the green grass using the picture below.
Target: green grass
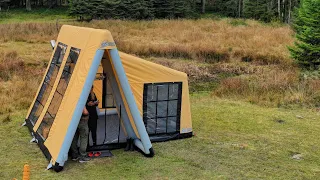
(234, 140)
(36, 15)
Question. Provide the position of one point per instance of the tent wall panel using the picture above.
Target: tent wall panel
(140, 72)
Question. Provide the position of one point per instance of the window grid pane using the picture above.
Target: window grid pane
(45, 126)
(47, 85)
(161, 107)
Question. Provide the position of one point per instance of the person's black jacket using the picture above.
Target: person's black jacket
(92, 109)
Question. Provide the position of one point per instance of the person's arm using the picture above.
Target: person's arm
(90, 102)
(85, 111)
(96, 101)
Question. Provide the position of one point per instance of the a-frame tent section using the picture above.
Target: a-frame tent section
(146, 98)
(160, 93)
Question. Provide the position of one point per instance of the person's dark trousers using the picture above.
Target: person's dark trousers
(93, 129)
(82, 132)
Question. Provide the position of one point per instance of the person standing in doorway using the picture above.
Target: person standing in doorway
(91, 106)
(82, 132)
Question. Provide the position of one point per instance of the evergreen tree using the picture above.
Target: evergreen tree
(112, 9)
(150, 9)
(135, 9)
(264, 10)
(231, 8)
(307, 26)
(132, 9)
(79, 8)
(96, 8)
(257, 9)
(163, 8)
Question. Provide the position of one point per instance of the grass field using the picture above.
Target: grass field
(36, 15)
(252, 108)
(234, 140)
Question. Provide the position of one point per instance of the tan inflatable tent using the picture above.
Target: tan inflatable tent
(140, 100)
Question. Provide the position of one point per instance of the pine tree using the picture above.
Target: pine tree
(163, 8)
(257, 9)
(79, 8)
(132, 9)
(150, 14)
(307, 26)
(112, 9)
(96, 8)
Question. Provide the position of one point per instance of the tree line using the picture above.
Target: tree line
(33, 3)
(124, 9)
(133, 9)
(264, 10)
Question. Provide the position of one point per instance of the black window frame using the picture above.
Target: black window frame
(48, 81)
(146, 117)
(66, 76)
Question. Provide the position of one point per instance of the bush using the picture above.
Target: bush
(307, 26)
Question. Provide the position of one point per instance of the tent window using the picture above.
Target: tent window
(55, 103)
(47, 85)
(108, 100)
(161, 107)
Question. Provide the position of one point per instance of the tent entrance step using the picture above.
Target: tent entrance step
(99, 154)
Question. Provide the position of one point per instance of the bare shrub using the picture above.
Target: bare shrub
(10, 64)
(270, 86)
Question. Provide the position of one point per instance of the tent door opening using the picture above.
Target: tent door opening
(110, 133)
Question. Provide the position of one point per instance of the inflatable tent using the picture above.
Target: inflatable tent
(140, 100)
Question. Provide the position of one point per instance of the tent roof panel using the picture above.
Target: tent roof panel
(141, 71)
(86, 38)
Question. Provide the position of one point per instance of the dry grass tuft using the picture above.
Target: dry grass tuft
(275, 87)
(18, 82)
(6, 119)
(28, 32)
(10, 64)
